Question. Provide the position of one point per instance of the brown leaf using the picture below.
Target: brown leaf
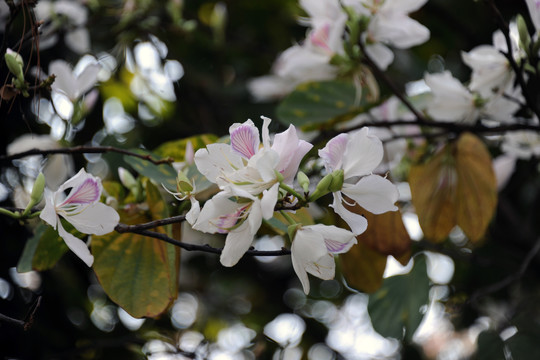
(363, 268)
(386, 233)
(455, 187)
(477, 187)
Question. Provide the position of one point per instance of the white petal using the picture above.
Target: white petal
(97, 219)
(534, 11)
(78, 40)
(291, 151)
(268, 201)
(332, 153)
(374, 193)
(363, 154)
(236, 245)
(219, 206)
(356, 222)
(194, 212)
(245, 140)
(88, 78)
(307, 247)
(65, 80)
(217, 159)
(48, 214)
(381, 55)
(76, 245)
(337, 240)
(398, 30)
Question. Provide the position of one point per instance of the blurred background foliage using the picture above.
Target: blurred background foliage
(256, 309)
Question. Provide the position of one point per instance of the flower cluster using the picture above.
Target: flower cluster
(324, 53)
(254, 177)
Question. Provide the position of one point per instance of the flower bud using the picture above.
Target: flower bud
(323, 188)
(183, 185)
(36, 195)
(524, 37)
(126, 178)
(15, 64)
(337, 181)
(303, 180)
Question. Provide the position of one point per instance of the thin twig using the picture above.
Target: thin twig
(499, 285)
(121, 228)
(84, 150)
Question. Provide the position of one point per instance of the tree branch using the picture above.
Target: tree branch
(123, 228)
(84, 150)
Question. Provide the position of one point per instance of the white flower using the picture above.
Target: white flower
(244, 167)
(70, 15)
(491, 71)
(522, 144)
(534, 11)
(390, 24)
(358, 154)
(82, 209)
(238, 217)
(69, 85)
(313, 250)
(454, 102)
(309, 61)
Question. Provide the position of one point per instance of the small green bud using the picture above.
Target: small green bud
(303, 180)
(337, 180)
(183, 184)
(15, 64)
(36, 195)
(323, 188)
(524, 36)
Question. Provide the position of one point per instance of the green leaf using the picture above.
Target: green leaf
(25, 262)
(316, 103)
(395, 308)
(161, 174)
(137, 272)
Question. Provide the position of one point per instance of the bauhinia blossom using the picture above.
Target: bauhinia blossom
(82, 209)
(358, 154)
(245, 166)
(248, 175)
(313, 250)
(238, 217)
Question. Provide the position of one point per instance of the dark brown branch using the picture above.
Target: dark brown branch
(84, 150)
(382, 76)
(123, 228)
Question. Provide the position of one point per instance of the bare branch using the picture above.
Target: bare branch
(84, 150)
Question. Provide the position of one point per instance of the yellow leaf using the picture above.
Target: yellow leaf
(363, 268)
(455, 187)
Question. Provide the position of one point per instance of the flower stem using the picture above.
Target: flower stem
(8, 213)
(293, 192)
(288, 217)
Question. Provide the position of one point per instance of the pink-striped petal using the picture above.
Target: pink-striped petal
(245, 140)
(86, 193)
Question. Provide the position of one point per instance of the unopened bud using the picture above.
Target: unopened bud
(15, 64)
(303, 180)
(337, 180)
(36, 195)
(524, 36)
(323, 188)
(183, 184)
